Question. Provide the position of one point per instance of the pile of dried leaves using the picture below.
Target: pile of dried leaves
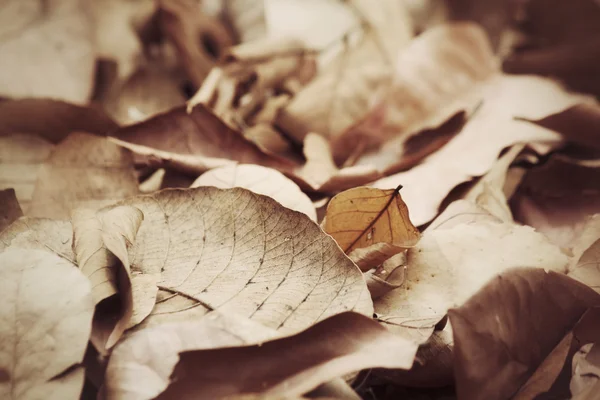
(288, 199)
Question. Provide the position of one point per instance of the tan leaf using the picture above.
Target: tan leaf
(52, 120)
(336, 346)
(10, 209)
(83, 169)
(346, 92)
(586, 372)
(100, 242)
(40, 234)
(237, 251)
(55, 38)
(495, 329)
(451, 263)
(362, 217)
(44, 328)
(198, 38)
(195, 141)
(505, 98)
(248, 18)
(557, 197)
(261, 180)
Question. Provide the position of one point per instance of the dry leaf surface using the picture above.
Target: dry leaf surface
(10, 209)
(237, 251)
(44, 329)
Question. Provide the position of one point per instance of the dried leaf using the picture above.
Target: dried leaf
(557, 198)
(261, 180)
(585, 264)
(336, 346)
(363, 217)
(530, 306)
(10, 209)
(180, 135)
(451, 263)
(247, 17)
(39, 234)
(83, 169)
(44, 328)
(586, 372)
(100, 242)
(346, 92)
(55, 38)
(505, 98)
(237, 251)
(52, 120)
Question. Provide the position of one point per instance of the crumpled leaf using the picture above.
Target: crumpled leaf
(198, 38)
(195, 141)
(82, 169)
(346, 92)
(454, 260)
(364, 217)
(52, 120)
(45, 328)
(336, 346)
(236, 251)
(100, 242)
(491, 129)
(10, 209)
(261, 180)
(54, 37)
(495, 329)
(585, 264)
(557, 197)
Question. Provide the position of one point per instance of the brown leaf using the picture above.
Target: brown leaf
(585, 264)
(450, 263)
(557, 198)
(52, 120)
(198, 137)
(362, 217)
(248, 18)
(198, 38)
(346, 92)
(260, 180)
(11, 210)
(494, 331)
(83, 169)
(237, 251)
(44, 328)
(336, 346)
(586, 372)
(505, 98)
(55, 38)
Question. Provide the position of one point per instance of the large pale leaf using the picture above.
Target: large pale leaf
(585, 264)
(339, 345)
(261, 180)
(517, 324)
(453, 261)
(237, 251)
(44, 328)
(54, 37)
(82, 170)
(41, 234)
(491, 129)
